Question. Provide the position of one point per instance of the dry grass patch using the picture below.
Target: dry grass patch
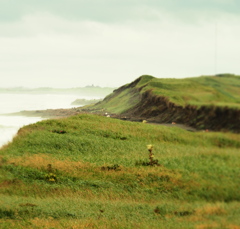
(41, 161)
(49, 223)
(70, 224)
(233, 226)
(208, 226)
(215, 225)
(210, 209)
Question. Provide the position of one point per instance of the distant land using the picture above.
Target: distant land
(85, 101)
(84, 91)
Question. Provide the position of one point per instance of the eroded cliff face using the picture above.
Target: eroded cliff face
(136, 102)
(159, 109)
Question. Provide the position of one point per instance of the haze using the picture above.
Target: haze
(74, 43)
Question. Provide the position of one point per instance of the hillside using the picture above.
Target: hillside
(206, 102)
(90, 171)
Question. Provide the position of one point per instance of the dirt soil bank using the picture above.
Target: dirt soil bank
(159, 109)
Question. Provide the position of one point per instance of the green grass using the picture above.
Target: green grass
(124, 101)
(221, 90)
(196, 186)
(204, 90)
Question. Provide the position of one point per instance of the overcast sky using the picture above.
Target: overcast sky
(74, 43)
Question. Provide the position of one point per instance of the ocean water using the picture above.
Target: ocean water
(10, 103)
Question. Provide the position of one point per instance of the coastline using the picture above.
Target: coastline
(62, 113)
(48, 113)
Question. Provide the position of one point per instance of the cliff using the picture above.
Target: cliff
(206, 102)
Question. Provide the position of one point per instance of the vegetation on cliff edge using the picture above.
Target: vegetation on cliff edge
(61, 174)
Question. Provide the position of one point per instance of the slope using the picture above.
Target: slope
(206, 102)
(81, 172)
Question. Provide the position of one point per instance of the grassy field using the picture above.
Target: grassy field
(221, 90)
(90, 171)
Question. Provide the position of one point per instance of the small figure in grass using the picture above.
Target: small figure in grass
(151, 156)
(152, 162)
(51, 177)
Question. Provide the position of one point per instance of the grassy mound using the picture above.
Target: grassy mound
(221, 90)
(207, 102)
(84, 172)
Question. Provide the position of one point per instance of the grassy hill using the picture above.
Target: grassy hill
(89, 171)
(206, 102)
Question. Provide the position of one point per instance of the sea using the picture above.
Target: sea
(11, 103)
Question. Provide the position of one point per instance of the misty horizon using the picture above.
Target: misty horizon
(90, 85)
(46, 88)
(111, 43)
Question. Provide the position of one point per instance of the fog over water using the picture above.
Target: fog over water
(10, 103)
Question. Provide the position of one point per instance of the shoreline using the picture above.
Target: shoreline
(62, 113)
(48, 113)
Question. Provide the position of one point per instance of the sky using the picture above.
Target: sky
(109, 43)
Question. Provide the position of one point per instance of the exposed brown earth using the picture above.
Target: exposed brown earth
(160, 110)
